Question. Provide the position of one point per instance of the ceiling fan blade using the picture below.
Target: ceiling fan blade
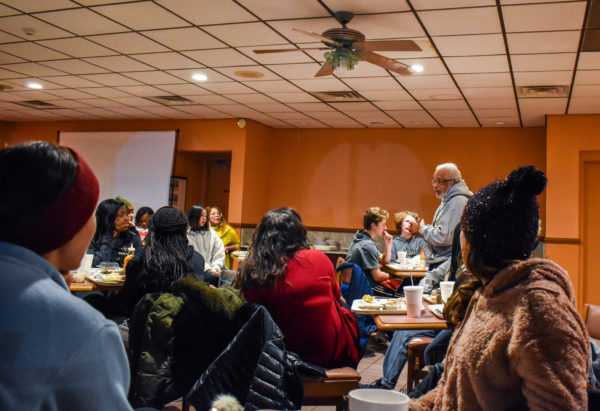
(286, 50)
(325, 70)
(387, 45)
(318, 36)
(386, 63)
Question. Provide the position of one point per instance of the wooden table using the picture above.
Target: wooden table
(88, 285)
(404, 272)
(393, 322)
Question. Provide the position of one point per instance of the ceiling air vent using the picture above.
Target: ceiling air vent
(171, 100)
(542, 91)
(36, 104)
(338, 96)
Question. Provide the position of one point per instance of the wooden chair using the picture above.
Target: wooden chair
(416, 361)
(591, 318)
(342, 276)
(331, 390)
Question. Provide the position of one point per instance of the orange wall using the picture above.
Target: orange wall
(332, 176)
(567, 138)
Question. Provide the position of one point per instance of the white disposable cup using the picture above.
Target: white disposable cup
(401, 258)
(414, 300)
(446, 288)
(375, 399)
(86, 263)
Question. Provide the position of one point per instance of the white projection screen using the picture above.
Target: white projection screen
(133, 164)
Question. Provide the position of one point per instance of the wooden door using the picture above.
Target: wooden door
(590, 281)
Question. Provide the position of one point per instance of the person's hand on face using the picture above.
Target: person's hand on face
(121, 221)
(387, 237)
(415, 226)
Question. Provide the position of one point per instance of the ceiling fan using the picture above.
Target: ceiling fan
(347, 47)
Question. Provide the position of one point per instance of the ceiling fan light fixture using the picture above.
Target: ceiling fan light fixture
(342, 60)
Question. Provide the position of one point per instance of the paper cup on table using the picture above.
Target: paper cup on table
(401, 258)
(374, 399)
(86, 264)
(446, 288)
(414, 300)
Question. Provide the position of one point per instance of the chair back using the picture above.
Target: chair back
(591, 318)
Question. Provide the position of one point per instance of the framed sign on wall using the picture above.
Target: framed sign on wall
(177, 192)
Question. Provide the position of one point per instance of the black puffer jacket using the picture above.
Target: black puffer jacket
(255, 368)
(175, 336)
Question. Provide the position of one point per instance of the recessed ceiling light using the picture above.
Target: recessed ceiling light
(248, 74)
(416, 68)
(499, 123)
(200, 77)
(34, 85)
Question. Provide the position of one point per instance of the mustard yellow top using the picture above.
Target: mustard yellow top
(229, 236)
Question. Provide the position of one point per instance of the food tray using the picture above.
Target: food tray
(377, 306)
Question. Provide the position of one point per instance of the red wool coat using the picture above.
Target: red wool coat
(305, 306)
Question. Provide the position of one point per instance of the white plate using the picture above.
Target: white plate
(380, 306)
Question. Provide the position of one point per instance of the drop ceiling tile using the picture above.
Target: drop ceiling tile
(372, 116)
(8, 59)
(388, 95)
(398, 105)
(31, 6)
(450, 4)
(458, 122)
(201, 13)
(77, 47)
(450, 105)
(31, 51)
(167, 61)
(210, 99)
(478, 64)
(294, 97)
(154, 77)
(251, 99)
(544, 17)
(275, 58)
(372, 84)
(506, 2)
(267, 74)
(70, 94)
(69, 103)
(317, 25)
(484, 80)
(589, 61)
(143, 15)
(479, 20)
(237, 110)
(41, 30)
(32, 69)
(132, 111)
(184, 89)
(534, 120)
(167, 112)
(8, 38)
(274, 108)
(587, 77)
(451, 114)
(255, 34)
(373, 6)
(220, 57)
(487, 93)
(128, 43)
(387, 25)
(493, 103)
(82, 22)
(535, 106)
(284, 9)
(227, 88)
(431, 66)
(436, 93)
(118, 63)
(273, 86)
(105, 92)
(471, 45)
(420, 82)
(72, 81)
(539, 78)
(139, 101)
(97, 111)
(544, 42)
(321, 84)
(4, 74)
(271, 122)
(364, 69)
(543, 62)
(586, 91)
(351, 107)
(347, 123)
(74, 66)
(30, 95)
(499, 112)
(329, 115)
(500, 122)
(111, 79)
(19, 84)
(101, 102)
(413, 118)
(212, 75)
(306, 123)
(189, 38)
(581, 105)
(142, 91)
(312, 107)
(7, 11)
(295, 71)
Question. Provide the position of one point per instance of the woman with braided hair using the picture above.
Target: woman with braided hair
(166, 258)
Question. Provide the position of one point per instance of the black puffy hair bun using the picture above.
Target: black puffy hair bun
(527, 181)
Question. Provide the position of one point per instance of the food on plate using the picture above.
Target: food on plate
(114, 277)
(367, 298)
